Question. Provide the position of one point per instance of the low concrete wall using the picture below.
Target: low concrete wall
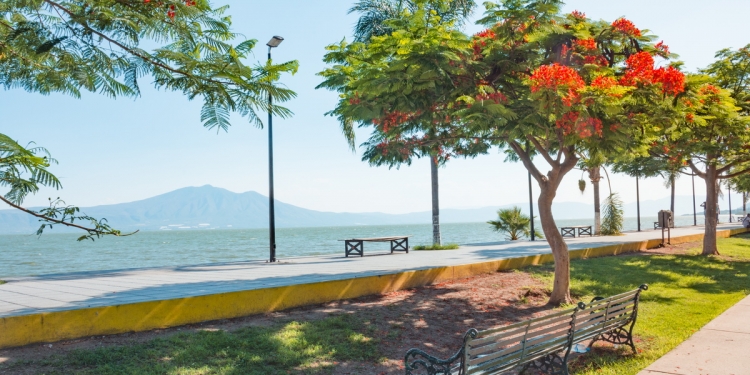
(142, 316)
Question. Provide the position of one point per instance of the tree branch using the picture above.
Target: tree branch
(542, 150)
(35, 214)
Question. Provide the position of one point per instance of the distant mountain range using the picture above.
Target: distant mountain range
(212, 207)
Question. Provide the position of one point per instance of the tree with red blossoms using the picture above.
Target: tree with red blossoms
(569, 90)
(403, 86)
(710, 134)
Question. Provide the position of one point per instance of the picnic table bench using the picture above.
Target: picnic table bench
(543, 344)
(356, 245)
(570, 231)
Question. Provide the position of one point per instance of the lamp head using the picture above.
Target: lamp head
(275, 41)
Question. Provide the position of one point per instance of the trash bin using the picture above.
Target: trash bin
(665, 219)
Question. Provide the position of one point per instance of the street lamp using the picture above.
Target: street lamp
(274, 42)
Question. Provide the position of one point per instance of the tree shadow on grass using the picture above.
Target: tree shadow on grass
(308, 347)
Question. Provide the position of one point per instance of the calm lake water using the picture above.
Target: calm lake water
(24, 255)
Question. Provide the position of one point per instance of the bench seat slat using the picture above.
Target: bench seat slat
(524, 323)
(505, 340)
(520, 329)
(514, 357)
(531, 345)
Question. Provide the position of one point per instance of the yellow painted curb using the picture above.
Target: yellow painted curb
(142, 316)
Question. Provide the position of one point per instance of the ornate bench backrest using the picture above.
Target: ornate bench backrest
(609, 315)
(499, 349)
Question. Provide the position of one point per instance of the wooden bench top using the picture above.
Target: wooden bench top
(577, 226)
(377, 239)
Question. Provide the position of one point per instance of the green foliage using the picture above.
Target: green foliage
(71, 46)
(24, 170)
(374, 14)
(402, 85)
(613, 215)
(450, 246)
(99, 46)
(512, 222)
(731, 71)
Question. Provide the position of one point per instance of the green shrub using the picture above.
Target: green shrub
(450, 246)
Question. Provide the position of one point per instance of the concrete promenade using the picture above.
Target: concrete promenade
(721, 347)
(63, 306)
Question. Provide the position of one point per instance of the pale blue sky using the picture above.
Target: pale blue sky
(113, 151)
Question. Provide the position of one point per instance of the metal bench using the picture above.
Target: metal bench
(608, 319)
(543, 344)
(355, 246)
(571, 230)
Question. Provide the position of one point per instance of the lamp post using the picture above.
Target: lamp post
(274, 42)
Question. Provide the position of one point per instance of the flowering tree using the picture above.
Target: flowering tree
(569, 82)
(712, 138)
(403, 85)
(72, 46)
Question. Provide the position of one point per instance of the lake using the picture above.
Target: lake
(25, 255)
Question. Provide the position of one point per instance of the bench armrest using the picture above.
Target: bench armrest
(416, 359)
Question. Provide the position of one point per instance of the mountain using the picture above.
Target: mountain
(212, 207)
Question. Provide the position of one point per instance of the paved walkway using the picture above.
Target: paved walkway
(721, 347)
(30, 295)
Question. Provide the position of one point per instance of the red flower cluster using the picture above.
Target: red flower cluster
(587, 44)
(479, 43)
(571, 122)
(663, 48)
(577, 14)
(555, 77)
(391, 120)
(171, 10)
(689, 117)
(626, 27)
(599, 60)
(603, 82)
(496, 97)
(640, 70)
(709, 90)
(486, 33)
(672, 80)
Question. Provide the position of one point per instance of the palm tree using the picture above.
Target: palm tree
(373, 15)
(513, 222)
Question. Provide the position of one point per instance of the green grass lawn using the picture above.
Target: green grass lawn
(297, 346)
(685, 292)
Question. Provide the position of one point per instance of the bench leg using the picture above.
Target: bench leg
(551, 364)
(353, 247)
(617, 336)
(400, 245)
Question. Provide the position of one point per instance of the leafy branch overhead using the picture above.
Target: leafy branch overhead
(24, 170)
(69, 47)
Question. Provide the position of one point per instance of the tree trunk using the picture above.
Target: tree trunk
(561, 284)
(712, 201)
(436, 240)
(595, 176)
(671, 206)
